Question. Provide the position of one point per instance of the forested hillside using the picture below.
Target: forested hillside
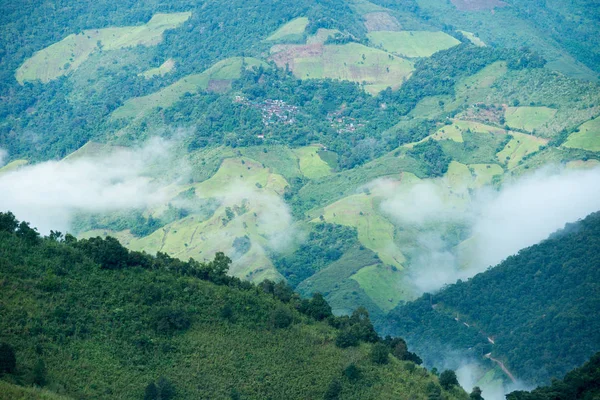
(535, 312)
(90, 319)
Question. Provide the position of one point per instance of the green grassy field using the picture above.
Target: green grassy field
(68, 54)
(311, 164)
(412, 43)
(162, 70)
(520, 146)
(528, 118)
(13, 392)
(354, 62)
(383, 284)
(484, 173)
(588, 137)
(225, 70)
(293, 30)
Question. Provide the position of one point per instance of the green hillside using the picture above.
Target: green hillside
(534, 312)
(105, 322)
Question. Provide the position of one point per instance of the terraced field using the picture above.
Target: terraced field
(67, 55)
(220, 75)
(412, 43)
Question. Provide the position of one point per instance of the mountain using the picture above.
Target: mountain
(533, 314)
(90, 319)
(581, 383)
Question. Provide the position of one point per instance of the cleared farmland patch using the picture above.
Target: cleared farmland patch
(321, 36)
(353, 62)
(311, 164)
(587, 138)
(374, 231)
(520, 145)
(222, 72)
(412, 43)
(293, 30)
(383, 284)
(164, 69)
(528, 118)
(473, 39)
(381, 21)
(67, 55)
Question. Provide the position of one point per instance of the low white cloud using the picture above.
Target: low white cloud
(48, 194)
(523, 213)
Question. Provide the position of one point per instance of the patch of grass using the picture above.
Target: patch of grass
(448, 132)
(484, 173)
(520, 146)
(311, 164)
(412, 43)
(587, 137)
(293, 31)
(477, 147)
(279, 159)
(528, 118)
(474, 39)
(164, 69)
(67, 55)
(13, 165)
(383, 284)
(330, 158)
(321, 36)
(9, 391)
(225, 70)
(431, 107)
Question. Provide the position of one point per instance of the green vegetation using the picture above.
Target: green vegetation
(413, 43)
(586, 137)
(290, 32)
(163, 69)
(579, 384)
(523, 304)
(383, 284)
(311, 164)
(106, 322)
(528, 118)
(68, 54)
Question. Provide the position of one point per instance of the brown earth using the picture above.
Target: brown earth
(478, 5)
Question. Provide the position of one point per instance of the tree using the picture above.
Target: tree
(8, 222)
(448, 379)
(39, 373)
(166, 390)
(433, 391)
(346, 338)
(333, 390)
(476, 394)
(281, 317)
(8, 359)
(317, 307)
(352, 373)
(379, 353)
(151, 392)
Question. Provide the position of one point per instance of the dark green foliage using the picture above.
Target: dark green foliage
(354, 329)
(317, 307)
(8, 359)
(107, 252)
(281, 317)
(432, 155)
(380, 353)
(448, 379)
(8, 222)
(434, 392)
(169, 320)
(333, 391)
(547, 291)
(476, 394)
(39, 373)
(352, 373)
(582, 383)
(325, 244)
(151, 392)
